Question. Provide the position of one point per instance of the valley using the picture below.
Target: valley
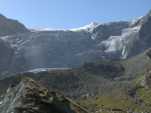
(98, 68)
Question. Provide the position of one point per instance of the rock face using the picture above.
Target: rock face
(49, 49)
(31, 97)
(5, 55)
(8, 27)
(144, 33)
(148, 53)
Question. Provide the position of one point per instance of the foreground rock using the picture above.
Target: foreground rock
(30, 97)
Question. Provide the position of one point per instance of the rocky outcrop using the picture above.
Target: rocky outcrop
(148, 53)
(9, 26)
(148, 79)
(6, 54)
(30, 97)
(145, 34)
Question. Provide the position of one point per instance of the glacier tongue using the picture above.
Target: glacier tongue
(122, 43)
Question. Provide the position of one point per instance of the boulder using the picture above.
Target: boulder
(30, 97)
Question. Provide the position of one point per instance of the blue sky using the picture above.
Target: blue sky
(72, 13)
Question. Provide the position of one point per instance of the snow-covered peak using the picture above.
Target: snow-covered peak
(88, 27)
(135, 21)
(41, 29)
(122, 43)
(46, 29)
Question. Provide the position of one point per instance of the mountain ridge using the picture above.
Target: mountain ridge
(10, 26)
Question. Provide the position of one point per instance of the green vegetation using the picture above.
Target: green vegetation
(116, 104)
(136, 65)
(137, 98)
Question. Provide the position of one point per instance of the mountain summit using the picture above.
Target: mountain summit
(10, 26)
(88, 27)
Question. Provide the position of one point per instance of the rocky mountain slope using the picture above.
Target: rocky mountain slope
(9, 26)
(71, 48)
(45, 49)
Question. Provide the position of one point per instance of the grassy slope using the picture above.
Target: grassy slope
(137, 65)
(135, 69)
